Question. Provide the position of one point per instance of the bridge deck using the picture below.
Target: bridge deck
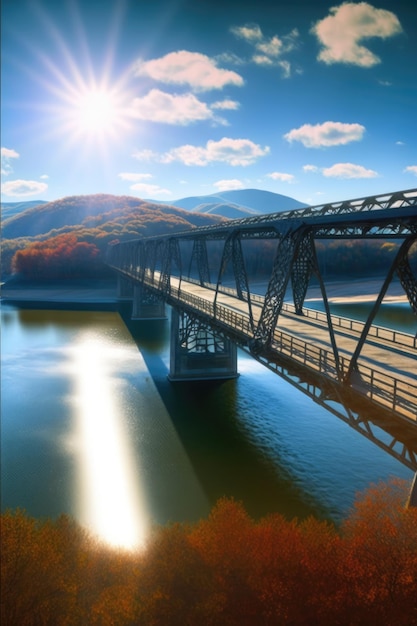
(386, 365)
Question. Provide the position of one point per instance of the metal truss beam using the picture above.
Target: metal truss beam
(153, 261)
(199, 253)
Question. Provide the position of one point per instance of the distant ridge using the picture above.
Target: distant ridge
(9, 209)
(238, 203)
(90, 211)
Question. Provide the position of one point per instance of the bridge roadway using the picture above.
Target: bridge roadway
(388, 359)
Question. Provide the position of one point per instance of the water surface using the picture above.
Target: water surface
(92, 427)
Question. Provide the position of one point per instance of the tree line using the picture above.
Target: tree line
(225, 570)
(81, 252)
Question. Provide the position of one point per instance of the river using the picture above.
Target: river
(92, 427)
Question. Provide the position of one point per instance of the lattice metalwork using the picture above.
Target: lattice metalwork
(399, 261)
(407, 278)
(171, 254)
(302, 270)
(277, 287)
(197, 337)
(388, 216)
(199, 254)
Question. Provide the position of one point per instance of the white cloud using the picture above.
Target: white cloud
(250, 32)
(20, 188)
(150, 190)
(9, 153)
(165, 108)
(234, 152)
(229, 105)
(310, 168)
(145, 155)
(412, 169)
(286, 68)
(282, 176)
(6, 155)
(342, 32)
(44, 176)
(326, 134)
(230, 58)
(228, 185)
(261, 59)
(188, 68)
(272, 48)
(400, 143)
(348, 170)
(268, 52)
(134, 176)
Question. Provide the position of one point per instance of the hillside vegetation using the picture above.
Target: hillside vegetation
(40, 241)
(69, 237)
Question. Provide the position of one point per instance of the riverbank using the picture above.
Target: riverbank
(90, 293)
(84, 294)
(359, 290)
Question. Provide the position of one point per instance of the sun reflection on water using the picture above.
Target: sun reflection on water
(110, 501)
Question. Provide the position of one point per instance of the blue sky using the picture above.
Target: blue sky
(166, 99)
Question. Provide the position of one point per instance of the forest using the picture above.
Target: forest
(225, 570)
(68, 238)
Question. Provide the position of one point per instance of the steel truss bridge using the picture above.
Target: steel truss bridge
(364, 374)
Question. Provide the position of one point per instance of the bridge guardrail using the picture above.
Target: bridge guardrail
(384, 389)
(379, 332)
(381, 388)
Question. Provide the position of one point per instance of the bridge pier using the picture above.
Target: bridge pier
(198, 352)
(147, 305)
(124, 288)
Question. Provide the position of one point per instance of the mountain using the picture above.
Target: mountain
(72, 222)
(8, 209)
(239, 203)
(95, 210)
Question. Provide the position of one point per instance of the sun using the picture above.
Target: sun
(97, 112)
(85, 99)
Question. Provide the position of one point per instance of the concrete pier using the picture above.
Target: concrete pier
(198, 352)
(124, 288)
(147, 305)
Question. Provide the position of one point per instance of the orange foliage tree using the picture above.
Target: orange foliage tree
(63, 256)
(225, 570)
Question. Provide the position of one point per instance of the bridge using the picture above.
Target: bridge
(363, 373)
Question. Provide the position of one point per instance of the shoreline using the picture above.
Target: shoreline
(86, 295)
(90, 294)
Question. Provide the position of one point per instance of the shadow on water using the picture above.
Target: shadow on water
(206, 417)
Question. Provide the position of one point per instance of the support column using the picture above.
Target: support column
(198, 352)
(147, 305)
(124, 288)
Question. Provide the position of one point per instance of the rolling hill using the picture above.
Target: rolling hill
(93, 211)
(238, 203)
(8, 209)
(93, 220)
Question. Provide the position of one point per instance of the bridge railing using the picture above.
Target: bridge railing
(379, 332)
(381, 388)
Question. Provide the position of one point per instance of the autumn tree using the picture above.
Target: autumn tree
(59, 257)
